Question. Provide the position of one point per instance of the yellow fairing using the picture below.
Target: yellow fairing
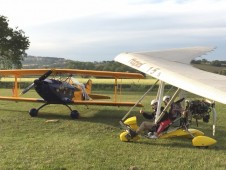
(183, 133)
(124, 137)
(194, 132)
(203, 141)
(132, 122)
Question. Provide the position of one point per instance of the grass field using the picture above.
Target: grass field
(92, 142)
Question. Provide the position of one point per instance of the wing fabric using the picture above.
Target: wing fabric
(21, 99)
(79, 102)
(24, 72)
(106, 103)
(173, 67)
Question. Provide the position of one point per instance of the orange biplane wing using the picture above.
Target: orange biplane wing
(26, 72)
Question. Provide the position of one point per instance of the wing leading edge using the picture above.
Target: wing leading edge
(75, 102)
(173, 67)
(27, 72)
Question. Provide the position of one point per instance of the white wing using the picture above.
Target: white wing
(173, 67)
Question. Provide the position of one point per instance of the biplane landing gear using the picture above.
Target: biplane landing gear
(74, 114)
(33, 112)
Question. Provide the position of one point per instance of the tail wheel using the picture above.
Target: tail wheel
(33, 112)
(74, 114)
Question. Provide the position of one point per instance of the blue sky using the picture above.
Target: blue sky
(97, 30)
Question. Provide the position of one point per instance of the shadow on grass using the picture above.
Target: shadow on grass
(112, 118)
(101, 116)
(14, 110)
(178, 142)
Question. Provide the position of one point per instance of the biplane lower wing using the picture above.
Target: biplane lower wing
(173, 67)
(21, 99)
(82, 102)
(106, 103)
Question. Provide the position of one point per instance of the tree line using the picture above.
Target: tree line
(13, 44)
(216, 63)
(32, 62)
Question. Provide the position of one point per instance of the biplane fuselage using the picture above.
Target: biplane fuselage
(55, 91)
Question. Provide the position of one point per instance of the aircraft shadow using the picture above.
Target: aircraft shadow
(102, 116)
(14, 110)
(178, 142)
(112, 119)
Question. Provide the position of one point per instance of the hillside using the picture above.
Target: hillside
(210, 68)
(32, 62)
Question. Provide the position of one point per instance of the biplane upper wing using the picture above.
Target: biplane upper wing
(173, 67)
(28, 72)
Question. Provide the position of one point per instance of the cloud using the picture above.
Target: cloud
(97, 29)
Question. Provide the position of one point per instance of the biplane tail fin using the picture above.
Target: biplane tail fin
(88, 86)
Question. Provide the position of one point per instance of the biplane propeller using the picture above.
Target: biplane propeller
(37, 81)
(173, 67)
(66, 91)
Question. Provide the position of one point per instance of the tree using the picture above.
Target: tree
(216, 63)
(205, 61)
(13, 44)
(196, 62)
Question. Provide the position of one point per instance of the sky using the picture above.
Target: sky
(98, 30)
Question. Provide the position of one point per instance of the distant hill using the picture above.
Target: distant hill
(33, 62)
(210, 68)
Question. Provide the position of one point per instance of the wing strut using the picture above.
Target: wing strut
(15, 89)
(214, 118)
(167, 106)
(212, 104)
(159, 97)
(127, 114)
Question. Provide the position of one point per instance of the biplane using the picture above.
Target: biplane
(173, 67)
(62, 88)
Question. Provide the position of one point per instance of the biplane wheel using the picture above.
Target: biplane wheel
(33, 112)
(74, 114)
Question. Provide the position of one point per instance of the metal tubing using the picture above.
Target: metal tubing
(167, 106)
(127, 114)
(214, 120)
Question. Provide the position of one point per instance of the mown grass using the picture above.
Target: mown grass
(92, 142)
